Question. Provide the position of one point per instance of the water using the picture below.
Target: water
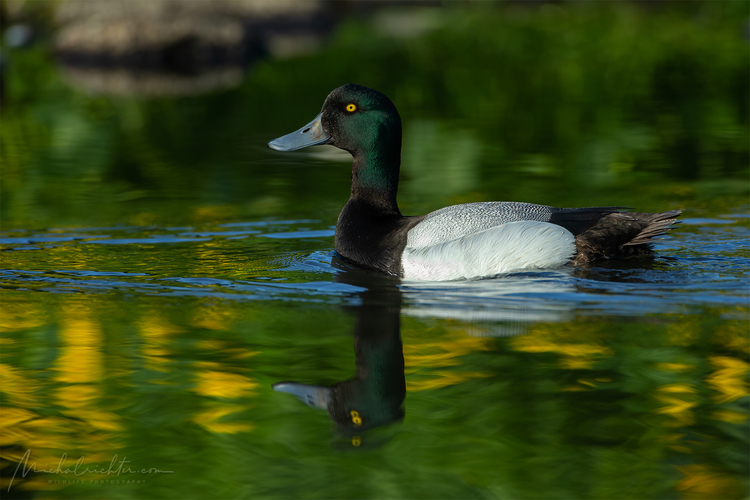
(160, 346)
(161, 270)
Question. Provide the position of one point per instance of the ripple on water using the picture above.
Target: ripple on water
(705, 264)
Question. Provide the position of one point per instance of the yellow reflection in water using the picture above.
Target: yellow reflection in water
(732, 417)
(213, 318)
(577, 349)
(221, 382)
(224, 385)
(81, 373)
(214, 345)
(81, 359)
(674, 367)
(157, 336)
(680, 400)
(20, 315)
(730, 378)
(421, 357)
(210, 419)
(703, 482)
(17, 389)
(85, 431)
(442, 379)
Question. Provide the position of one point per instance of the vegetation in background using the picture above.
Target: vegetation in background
(564, 104)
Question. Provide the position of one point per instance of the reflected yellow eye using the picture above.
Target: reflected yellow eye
(351, 108)
(356, 419)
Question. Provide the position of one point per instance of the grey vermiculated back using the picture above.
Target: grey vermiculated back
(456, 221)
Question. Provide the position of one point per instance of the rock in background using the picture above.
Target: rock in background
(168, 47)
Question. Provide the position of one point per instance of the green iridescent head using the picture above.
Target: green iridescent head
(363, 122)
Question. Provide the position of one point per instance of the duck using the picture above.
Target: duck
(466, 241)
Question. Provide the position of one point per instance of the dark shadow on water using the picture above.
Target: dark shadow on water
(628, 270)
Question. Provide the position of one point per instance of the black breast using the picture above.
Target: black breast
(370, 237)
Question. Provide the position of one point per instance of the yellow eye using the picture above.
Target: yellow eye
(356, 419)
(351, 108)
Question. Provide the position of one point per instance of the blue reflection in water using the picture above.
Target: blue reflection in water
(706, 266)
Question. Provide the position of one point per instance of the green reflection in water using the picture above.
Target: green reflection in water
(641, 406)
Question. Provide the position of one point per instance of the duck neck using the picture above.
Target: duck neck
(375, 179)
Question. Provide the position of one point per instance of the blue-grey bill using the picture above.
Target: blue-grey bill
(317, 396)
(311, 134)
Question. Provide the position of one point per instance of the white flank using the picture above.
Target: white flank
(502, 249)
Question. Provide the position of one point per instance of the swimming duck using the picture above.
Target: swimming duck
(460, 241)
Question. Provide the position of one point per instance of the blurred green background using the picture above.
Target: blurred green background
(579, 103)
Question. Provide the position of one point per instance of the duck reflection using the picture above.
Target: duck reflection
(374, 396)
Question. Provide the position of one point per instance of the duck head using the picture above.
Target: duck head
(356, 405)
(353, 118)
(363, 122)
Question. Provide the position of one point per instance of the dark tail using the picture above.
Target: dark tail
(623, 234)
